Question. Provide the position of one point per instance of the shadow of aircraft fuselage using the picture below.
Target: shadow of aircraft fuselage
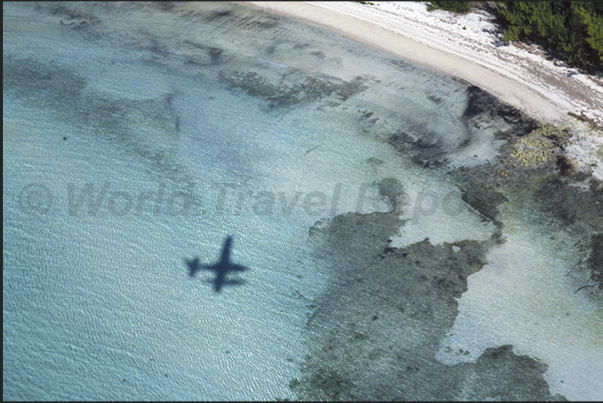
(220, 268)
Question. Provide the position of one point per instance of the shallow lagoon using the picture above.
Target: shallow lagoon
(138, 137)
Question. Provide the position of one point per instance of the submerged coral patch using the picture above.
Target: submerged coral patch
(376, 332)
(309, 89)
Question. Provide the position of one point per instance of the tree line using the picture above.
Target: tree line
(571, 30)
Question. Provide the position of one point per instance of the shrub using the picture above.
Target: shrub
(573, 28)
(454, 6)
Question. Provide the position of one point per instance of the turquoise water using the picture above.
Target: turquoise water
(137, 138)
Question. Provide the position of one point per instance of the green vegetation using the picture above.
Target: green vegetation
(574, 29)
(540, 146)
(454, 6)
(571, 30)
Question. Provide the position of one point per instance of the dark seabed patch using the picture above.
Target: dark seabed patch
(65, 94)
(481, 105)
(308, 89)
(377, 328)
(562, 199)
(596, 259)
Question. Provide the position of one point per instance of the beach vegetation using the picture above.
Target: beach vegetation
(572, 30)
(454, 6)
(541, 145)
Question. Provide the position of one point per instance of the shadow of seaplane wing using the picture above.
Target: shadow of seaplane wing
(220, 267)
(220, 282)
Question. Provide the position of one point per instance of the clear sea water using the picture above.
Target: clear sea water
(138, 137)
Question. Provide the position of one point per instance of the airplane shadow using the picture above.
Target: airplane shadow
(221, 268)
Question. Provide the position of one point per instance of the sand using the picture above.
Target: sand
(516, 74)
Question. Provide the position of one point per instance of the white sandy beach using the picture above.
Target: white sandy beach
(515, 73)
(467, 47)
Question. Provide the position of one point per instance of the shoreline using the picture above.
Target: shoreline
(345, 19)
(467, 48)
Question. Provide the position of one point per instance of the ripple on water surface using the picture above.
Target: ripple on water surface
(139, 137)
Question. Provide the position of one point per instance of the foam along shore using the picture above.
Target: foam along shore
(467, 47)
